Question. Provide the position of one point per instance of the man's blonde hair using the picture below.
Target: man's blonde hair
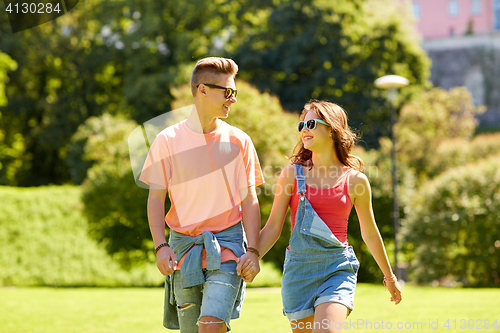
(207, 70)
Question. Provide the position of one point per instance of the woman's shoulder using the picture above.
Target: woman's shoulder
(358, 178)
(288, 173)
(289, 170)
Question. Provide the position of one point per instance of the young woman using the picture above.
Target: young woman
(320, 187)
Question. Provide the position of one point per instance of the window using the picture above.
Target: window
(453, 7)
(416, 10)
(476, 6)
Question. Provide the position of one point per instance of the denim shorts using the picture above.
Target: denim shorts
(216, 297)
(315, 278)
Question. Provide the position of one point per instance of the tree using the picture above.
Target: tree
(103, 56)
(334, 51)
(124, 57)
(64, 77)
(11, 145)
(6, 64)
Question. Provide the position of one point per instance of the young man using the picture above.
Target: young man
(210, 170)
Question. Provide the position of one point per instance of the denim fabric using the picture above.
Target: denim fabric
(221, 288)
(192, 274)
(316, 263)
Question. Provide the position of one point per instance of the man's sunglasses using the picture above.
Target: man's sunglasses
(310, 124)
(229, 91)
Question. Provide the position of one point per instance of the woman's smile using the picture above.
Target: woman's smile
(307, 138)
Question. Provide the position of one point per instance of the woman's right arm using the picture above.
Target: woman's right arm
(272, 230)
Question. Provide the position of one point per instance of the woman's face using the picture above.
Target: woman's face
(317, 139)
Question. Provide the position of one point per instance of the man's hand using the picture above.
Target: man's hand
(248, 266)
(166, 260)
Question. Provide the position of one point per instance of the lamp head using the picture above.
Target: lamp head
(391, 81)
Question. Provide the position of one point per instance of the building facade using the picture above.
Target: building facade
(462, 39)
(472, 61)
(445, 18)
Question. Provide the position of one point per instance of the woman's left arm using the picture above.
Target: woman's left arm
(360, 193)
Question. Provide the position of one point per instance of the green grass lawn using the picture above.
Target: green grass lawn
(135, 310)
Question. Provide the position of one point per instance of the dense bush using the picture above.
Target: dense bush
(452, 229)
(457, 152)
(434, 133)
(433, 117)
(97, 140)
(44, 241)
(113, 204)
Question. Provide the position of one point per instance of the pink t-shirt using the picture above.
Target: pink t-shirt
(207, 176)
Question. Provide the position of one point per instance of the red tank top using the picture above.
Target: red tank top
(333, 205)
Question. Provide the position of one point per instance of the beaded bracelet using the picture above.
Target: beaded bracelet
(159, 247)
(254, 251)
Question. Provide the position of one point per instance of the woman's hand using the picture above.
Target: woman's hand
(395, 291)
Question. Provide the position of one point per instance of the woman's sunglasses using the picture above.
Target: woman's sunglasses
(310, 124)
(228, 91)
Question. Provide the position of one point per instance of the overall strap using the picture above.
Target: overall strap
(301, 179)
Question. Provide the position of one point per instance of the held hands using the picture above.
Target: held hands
(166, 260)
(392, 284)
(248, 266)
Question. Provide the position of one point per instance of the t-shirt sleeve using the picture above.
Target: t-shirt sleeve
(156, 169)
(252, 166)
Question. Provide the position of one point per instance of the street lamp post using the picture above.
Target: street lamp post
(392, 83)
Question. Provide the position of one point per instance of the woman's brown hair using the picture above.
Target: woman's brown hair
(340, 132)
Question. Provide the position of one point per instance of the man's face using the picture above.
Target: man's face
(217, 104)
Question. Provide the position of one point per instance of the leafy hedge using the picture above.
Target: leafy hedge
(452, 229)
(44, 241)
(458, 152)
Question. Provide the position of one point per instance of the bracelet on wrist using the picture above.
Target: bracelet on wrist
(254, 251)
(390, 279)
(159, 247)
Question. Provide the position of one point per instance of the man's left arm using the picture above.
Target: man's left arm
(251, 222)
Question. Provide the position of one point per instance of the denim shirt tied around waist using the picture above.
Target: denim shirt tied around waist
(232, 238)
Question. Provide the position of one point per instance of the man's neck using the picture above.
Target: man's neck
(201, 124)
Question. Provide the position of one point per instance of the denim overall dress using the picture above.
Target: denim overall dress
(318, 267)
